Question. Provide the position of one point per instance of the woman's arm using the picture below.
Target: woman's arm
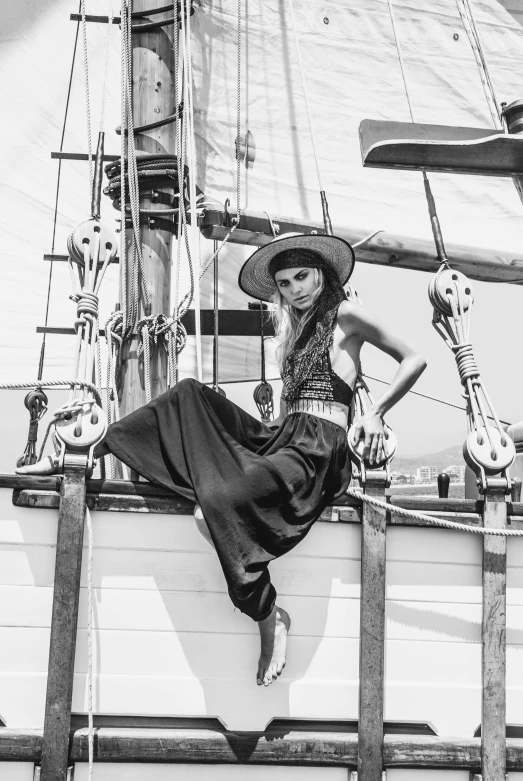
(357, 324)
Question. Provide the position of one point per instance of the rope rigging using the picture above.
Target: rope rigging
(495, 109)
(488, 450)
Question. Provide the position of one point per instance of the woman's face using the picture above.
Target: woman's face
(297, 286)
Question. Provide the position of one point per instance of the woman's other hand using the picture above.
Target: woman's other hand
(370, 429)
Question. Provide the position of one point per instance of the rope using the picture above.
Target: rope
(90, 737)
(306, 96)
(471, 28)
(238, 110)
(430, 519)
(106, 67)
(191, 152)
(53, 384)
(87, 102)
(400, 57)
(367, 238)
(215, 254)
(432, 398)
(55, 216)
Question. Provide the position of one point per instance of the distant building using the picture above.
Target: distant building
(426, 474)
(456, 472)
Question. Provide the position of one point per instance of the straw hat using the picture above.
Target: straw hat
(255, 279)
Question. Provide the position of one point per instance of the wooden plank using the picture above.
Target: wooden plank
(319, 749)
(233, 322)
(462, 150)
(64, 258)
(81, 156)
(493, 708)
(20, 745)
(372, 632)
(63, 627)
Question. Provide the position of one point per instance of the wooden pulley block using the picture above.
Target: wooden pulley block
(444, 284)
(95, 233)
(492, 455)
(84, 429)
(390, 445)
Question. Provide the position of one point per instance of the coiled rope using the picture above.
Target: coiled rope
(430, 519)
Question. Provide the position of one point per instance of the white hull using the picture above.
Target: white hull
(167, 641)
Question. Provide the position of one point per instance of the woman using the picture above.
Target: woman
(260, 488)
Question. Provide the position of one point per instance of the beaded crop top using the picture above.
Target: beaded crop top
(322, 384)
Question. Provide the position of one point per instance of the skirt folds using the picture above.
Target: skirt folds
(260, 490)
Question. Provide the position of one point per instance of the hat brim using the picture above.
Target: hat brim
(255, 280)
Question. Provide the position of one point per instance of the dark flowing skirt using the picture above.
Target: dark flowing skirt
(260, 490)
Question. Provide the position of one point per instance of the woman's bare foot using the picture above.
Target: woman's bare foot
(47, 466)
(273, 632)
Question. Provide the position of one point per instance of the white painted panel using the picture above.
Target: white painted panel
(400, 774)
(155, 532)
(198, 571)
(151, 772)
(145, 610)
(17, 771)
(420, 544)
(240, 704)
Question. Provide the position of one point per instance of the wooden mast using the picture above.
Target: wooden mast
(153, 75)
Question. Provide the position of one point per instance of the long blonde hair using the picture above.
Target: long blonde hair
(289, 321)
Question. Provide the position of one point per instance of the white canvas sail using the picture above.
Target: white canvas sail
(352, 72)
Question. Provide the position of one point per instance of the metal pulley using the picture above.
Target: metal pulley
(79, 426)
(447, 286)
(263, 394)
(36, 402)
(93, 244)
(488, 450)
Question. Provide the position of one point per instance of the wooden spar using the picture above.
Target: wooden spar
(462, 150)
(372, 631)
(153, 90)
(383, 249)
(493, 634)
(290, 747)
(55, 748)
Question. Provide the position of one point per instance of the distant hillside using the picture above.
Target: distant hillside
(441, 459)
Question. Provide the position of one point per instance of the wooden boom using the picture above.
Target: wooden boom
(383, 249)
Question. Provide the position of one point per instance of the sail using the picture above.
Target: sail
(352, 72)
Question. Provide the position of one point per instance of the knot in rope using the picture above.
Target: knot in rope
(465, 361)
(33, 431)
(87, 304)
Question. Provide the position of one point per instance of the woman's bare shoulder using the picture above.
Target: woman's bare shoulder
(351, 314)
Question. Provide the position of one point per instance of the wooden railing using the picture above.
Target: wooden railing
(367, 751)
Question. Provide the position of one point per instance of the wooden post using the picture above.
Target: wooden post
(372, 631)
(493, 708)
(55, 749)
(153, 99)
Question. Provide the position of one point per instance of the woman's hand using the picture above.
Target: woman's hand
(370, 429)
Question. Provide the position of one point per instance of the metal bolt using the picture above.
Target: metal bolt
(456, 36)
(326, 20)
